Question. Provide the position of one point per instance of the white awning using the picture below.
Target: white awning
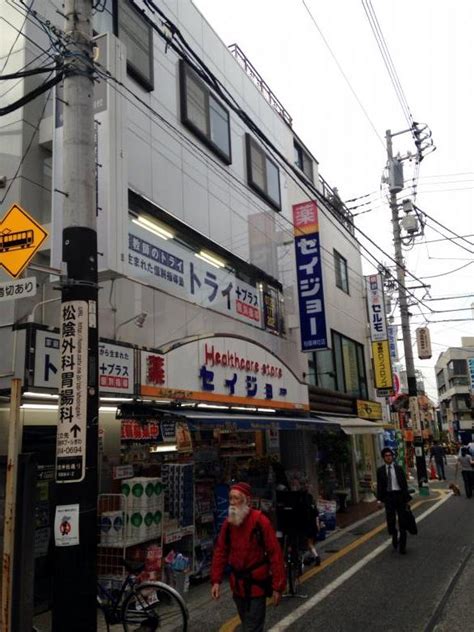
(355, 425)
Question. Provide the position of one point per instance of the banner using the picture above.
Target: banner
(376, 308)
(309, 277)
(382, 366)
(423, 343)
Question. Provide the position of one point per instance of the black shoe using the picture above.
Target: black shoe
(317, 560)
(395, 541)
(402, 550)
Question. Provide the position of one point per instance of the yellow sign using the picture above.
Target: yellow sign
(369, 410)
(382, 365)
(20, 238)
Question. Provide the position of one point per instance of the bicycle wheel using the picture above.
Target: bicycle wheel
(102, 623)
(153, 607)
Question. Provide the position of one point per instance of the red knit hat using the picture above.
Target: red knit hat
(243, 488)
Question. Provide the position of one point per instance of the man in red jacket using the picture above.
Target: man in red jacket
(247, 542)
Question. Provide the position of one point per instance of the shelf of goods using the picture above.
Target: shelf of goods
(131, 526)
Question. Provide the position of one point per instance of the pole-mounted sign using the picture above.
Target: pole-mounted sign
(20, 238)
(72, 421)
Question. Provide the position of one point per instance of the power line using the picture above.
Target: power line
(15, 41)
(445, 227)
(343, 73)
(434, 276)
(450, 298)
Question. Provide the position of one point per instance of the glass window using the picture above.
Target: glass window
(349, 366)
(303, 161)
(263, 174)
(322, 369)
(137, 35)
(342, 278)
(203, 114)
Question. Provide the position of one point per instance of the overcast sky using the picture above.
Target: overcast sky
(431, 44)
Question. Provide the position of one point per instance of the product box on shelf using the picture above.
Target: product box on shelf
(143, 508)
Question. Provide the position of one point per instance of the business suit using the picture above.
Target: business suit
(395, 502)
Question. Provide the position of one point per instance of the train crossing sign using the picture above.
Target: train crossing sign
(20, 238)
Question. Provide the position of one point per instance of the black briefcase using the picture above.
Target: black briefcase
(410, 522)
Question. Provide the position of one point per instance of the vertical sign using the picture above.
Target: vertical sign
(72, 420)
(379, 335)
(470, 364)
(309, 277)
(423, 343)
(392, 341)
(376, 307)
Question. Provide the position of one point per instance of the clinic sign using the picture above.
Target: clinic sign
(222, 369)
(309, 277)
(116, 365)
(73, 373)
(171, 267)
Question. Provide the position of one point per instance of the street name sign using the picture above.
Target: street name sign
(20, 238)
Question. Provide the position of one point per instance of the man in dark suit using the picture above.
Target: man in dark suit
(392, 491)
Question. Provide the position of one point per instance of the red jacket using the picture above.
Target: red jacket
(242, 549)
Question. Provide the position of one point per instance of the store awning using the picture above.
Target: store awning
(355, 425)
(201, 420)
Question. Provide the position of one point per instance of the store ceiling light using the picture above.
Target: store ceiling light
(39, 406)
(153, 227)
(116, 399)
(163, 448)
(213, 406)
(41, 395)
(210, 258)
(108, 409)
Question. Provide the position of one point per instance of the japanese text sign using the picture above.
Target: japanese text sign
(21, 288)
(376, 308)
(382, 366)
(309, 277)
(174, 269)
(72, 419)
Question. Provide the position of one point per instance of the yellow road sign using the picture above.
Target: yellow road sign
(20, 238)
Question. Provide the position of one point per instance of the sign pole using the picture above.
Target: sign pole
(75, 552)
(14, 447)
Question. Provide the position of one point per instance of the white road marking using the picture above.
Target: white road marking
(285, 623)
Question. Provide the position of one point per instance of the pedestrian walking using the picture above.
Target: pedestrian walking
(247, 543)
(438, 454)
(392, 491)
(466, 462)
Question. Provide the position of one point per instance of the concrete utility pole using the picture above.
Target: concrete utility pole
(75, 575)
(405, 321)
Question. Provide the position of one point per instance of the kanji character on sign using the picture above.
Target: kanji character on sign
(268, 391)
(230, 384)
(251, 385)
(310, 287)
(226, 292)
(211, 281)
(308, 246)
(194, 278)
(207, 378)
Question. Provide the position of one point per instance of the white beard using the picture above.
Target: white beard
(238, 514)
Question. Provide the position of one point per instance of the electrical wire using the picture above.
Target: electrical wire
(445, 227)
(29, 73)
(435, 276)
(19, 32)
(341, 70)
(36, 92)
(27, 149)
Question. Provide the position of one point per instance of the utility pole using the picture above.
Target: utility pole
(75, 531)
(405, 321)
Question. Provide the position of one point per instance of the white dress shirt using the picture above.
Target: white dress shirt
(395, 485)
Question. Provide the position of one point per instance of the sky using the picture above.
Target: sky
(322, 61)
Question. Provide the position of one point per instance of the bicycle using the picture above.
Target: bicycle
(294, 563)
(142, 606)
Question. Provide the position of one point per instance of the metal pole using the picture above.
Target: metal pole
(405, 322)
(14, 446)
(75, 552)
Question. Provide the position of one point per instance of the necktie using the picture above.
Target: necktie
(389, 479)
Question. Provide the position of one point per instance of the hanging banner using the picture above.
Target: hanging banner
(376, 308)
(423, 343)
(470, 364)
(382, 366)
(392, 341)
(309, 277)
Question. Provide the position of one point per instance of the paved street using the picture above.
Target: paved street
(363, 584)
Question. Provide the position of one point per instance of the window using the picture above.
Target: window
(342, 278)
(341, 368)
(303, 161)
(137, 35)
(202, 113)
(457, 367)
(263, 174)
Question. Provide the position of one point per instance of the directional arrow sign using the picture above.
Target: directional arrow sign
(20, 238)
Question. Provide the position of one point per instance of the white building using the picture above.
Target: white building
(198, 170)
(455, 381)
